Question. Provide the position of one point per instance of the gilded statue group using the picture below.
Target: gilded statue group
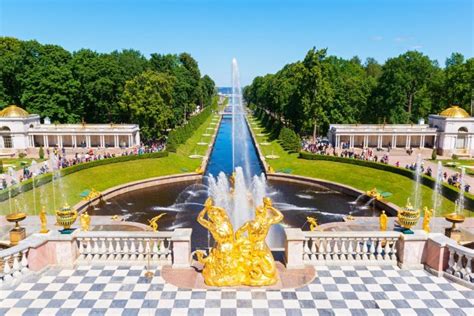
(242, 258)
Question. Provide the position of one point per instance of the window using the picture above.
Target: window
(7, 141)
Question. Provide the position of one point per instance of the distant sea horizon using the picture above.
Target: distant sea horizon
(224, 90)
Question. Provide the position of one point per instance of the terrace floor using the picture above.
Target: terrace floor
(336, 290)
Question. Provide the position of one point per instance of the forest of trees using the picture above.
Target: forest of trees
(158, 93)
(324, 89)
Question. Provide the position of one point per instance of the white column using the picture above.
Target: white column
(46, 141)
(422, 141)
(408, 141)
(137, 138)
(351, 141)
(379, 141)
(130, 140)
(394, 141)
(116, 141)
(102, 141)
(74, 141)
(366, 141)
(88, 141)
(338, 141)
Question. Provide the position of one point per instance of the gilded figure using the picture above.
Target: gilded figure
(383, 221)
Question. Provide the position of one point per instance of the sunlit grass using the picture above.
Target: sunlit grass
(359, 177)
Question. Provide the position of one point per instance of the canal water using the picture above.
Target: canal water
(183, 201)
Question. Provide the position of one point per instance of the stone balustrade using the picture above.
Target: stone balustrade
(460, 263)
(124, 246)
(13, 262)
(342, 247)
(41, 250)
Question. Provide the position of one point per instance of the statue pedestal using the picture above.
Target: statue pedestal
(453, 233)
(17, 234)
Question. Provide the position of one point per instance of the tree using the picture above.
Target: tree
(459, 80)
(147, 99)
(48, 86)
(402, 90)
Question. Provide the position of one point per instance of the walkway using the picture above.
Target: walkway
(124, 290)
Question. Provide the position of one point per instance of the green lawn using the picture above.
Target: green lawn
(68, 189)
(362, 178)
(17, 163)
(457, 164)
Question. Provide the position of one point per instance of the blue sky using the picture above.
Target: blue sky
(263, 35)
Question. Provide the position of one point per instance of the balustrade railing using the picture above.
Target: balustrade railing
(14, 260)
(460, 263)
(124, 246)
(350, 247)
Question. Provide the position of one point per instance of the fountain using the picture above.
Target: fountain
(437, 189)
(417, 198)
(457, 217)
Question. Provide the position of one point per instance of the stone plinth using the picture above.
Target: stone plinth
(437, 253)
(411, 250)
(181, 240)
(294, 248)
(193, 279)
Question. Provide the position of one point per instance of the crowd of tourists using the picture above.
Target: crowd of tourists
(57, 158)
(322, 146)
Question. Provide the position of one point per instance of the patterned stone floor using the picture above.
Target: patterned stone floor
(124, 290)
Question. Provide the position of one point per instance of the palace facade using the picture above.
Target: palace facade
(20, 130)
(450, 132)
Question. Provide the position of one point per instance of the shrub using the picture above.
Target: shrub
(1, 166)
(433, 154)
(289, 140)
(21, 155)
(182, 133)
(41, 153)
(455, 157)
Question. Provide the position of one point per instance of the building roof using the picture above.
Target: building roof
(455, 112)
(13, 111)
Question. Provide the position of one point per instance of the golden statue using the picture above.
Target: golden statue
(85, 221)
(313, 223)
(243, 259)
(66, 216)
(383, 221)
(255, 254)
(374, 194)
(221, 266)
(199, 170)
(154, 221)
(408, 217)
(44, 221)
(270, 169)
(427, 214)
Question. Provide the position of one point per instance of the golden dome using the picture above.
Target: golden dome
(13, 111)
(455, 111)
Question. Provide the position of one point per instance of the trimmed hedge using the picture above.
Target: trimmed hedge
(46, 178)
(289, 140)
(448, 191)
(182, 133)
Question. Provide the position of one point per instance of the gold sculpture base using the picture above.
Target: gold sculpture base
(44, 231)
(17, 234)
(243, 258)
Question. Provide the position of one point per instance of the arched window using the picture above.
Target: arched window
(7, 138)
(461, 139)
